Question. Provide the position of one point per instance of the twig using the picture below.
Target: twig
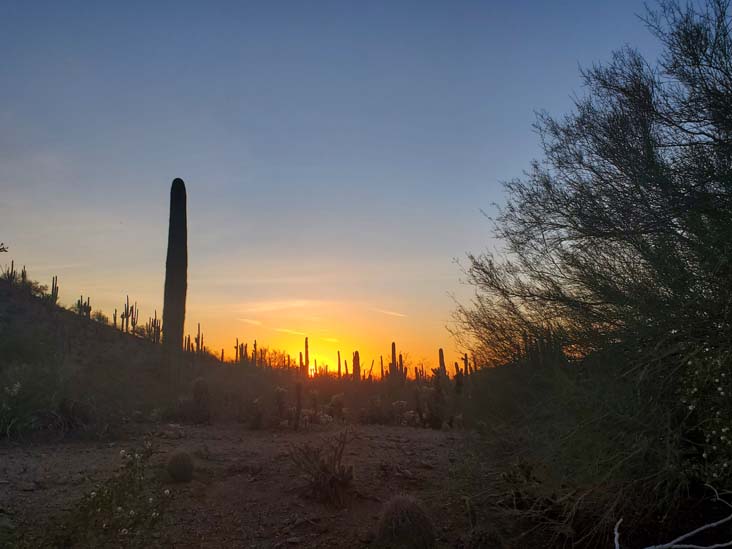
(677, 543)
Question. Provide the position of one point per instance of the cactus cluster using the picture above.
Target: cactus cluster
(82, 307)
(128, 318)
(153, 328)
(53, 296)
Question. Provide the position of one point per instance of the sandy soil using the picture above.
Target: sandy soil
(246, 489)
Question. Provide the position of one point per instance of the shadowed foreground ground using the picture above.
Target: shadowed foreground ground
(245, 491)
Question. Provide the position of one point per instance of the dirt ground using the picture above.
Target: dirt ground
(245, 492)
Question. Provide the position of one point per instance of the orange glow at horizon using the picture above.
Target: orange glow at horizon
(330, 325)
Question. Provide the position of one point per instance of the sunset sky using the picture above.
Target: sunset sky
(337, 155)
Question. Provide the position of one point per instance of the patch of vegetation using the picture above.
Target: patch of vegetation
(121, 512)
(404, 524)
(327, 478)
(606, 313)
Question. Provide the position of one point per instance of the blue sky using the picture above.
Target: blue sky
(334, 152)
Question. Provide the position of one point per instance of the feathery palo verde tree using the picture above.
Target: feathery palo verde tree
(623, 231)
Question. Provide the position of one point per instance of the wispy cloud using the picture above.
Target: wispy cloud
(275, 305)
(390, 313)
(288, 331)
(250, 321)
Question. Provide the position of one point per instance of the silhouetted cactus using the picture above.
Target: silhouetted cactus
(53, 296)
(82, 307)
(339, 364)
(356, 367)
(393, 365)
(458, 379)
(10, 274)
(307, 357)
(135, 313)
(152, 330)
(443, 368)
(176, 272)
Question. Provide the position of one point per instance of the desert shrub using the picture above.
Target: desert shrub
(255, 414)
(435, 402)
(327, 478)
(315, 401)
(180, 467)
(579, 446)
(29, 400)
(280, 402)
(202, 401)
(100, 317)
(404, 524)
(200, 390)
(606, 311)
(122, 511)
(336, 406)
(375, 413)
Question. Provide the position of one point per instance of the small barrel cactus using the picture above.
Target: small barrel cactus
(404, 524)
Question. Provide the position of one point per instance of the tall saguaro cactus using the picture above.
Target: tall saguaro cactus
(176, 271)
(307, 357)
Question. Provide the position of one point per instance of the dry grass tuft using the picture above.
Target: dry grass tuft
(328, 479)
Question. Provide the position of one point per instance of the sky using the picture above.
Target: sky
(338, 156)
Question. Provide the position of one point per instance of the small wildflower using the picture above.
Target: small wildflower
(154, 514)
(93, 495)
(123, 531)
(132, 512)
(166, 492)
